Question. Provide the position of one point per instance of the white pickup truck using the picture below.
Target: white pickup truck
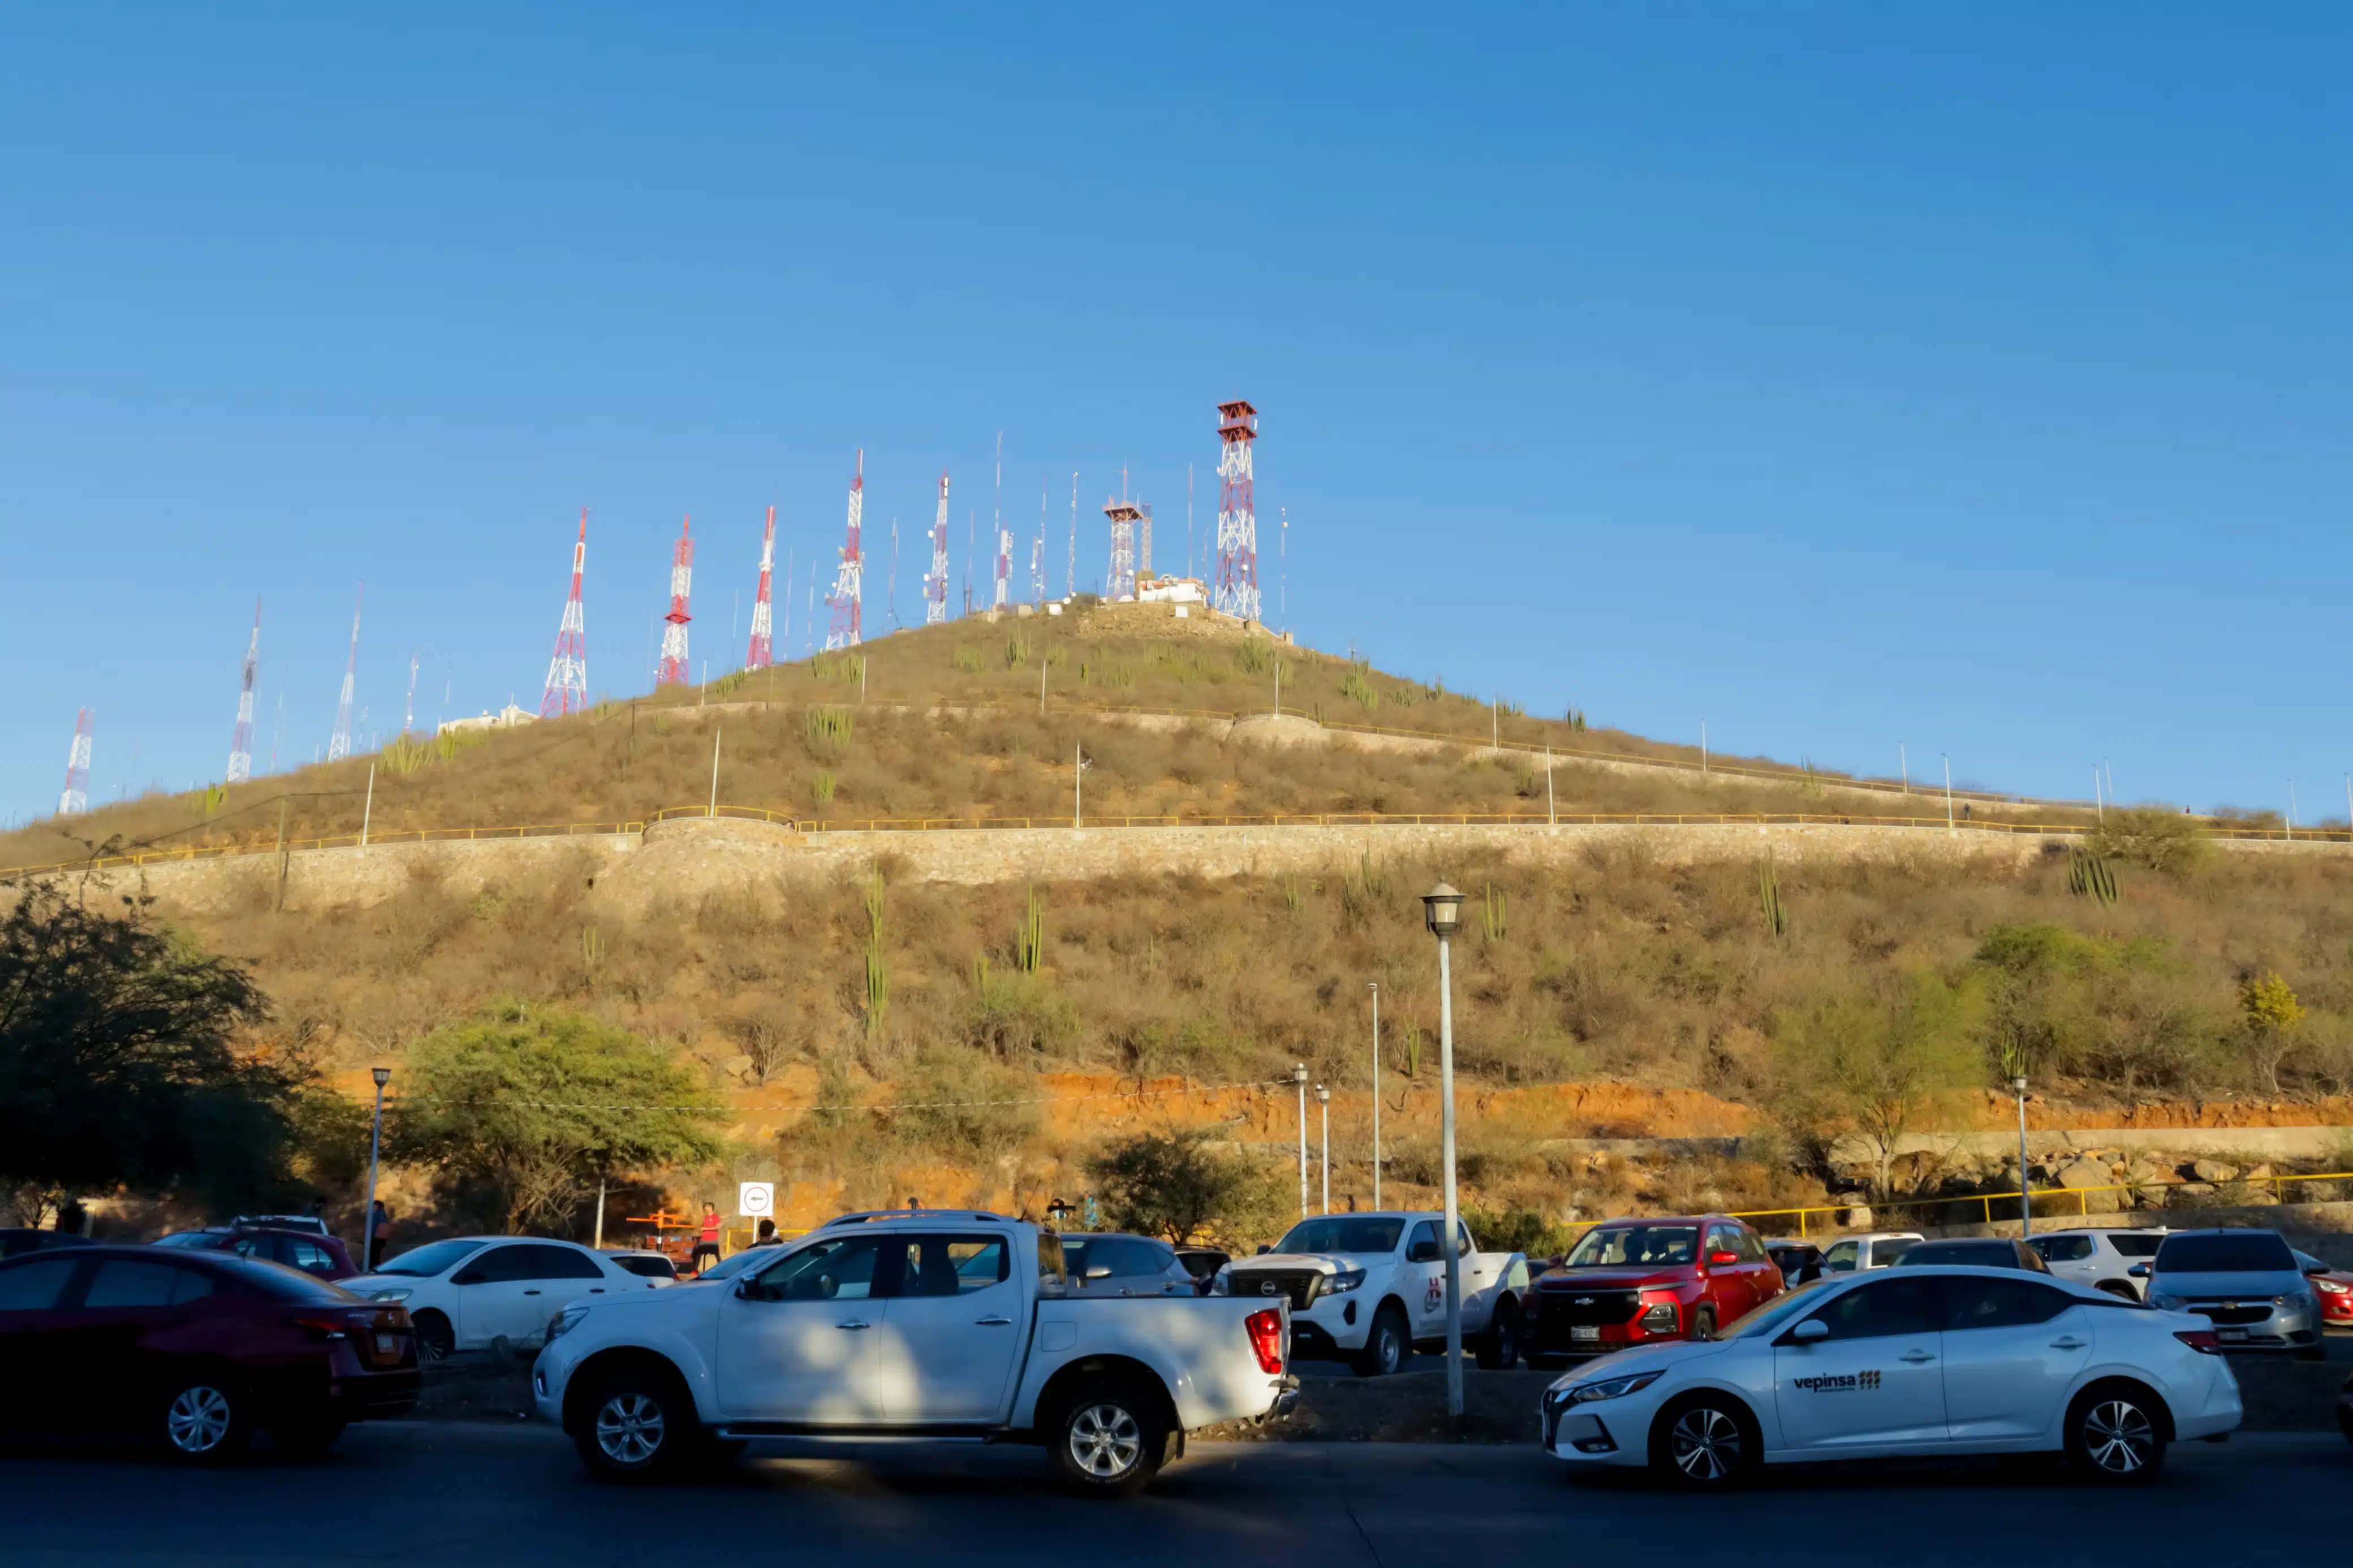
(1370, 1288)
(932, 1323)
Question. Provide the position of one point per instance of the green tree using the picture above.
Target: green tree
(1880, 1067)
(118, 1059)
(1176, 1185)
(530, 1106)
(2274, 1018)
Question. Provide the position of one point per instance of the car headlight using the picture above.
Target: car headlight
(393, 1293)
(1346, 1280)
(2165, 1303)
(567, 1320)
(2331, 1285)
(1612, 1387)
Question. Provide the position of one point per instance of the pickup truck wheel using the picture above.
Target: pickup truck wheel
(638, 1426)
(1386, 1343)
(1499, 1350)
(1108, 1440)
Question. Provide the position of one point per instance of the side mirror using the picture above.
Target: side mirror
(466, 1277)
(1264, 1249)
(2139, 1271)
(1813, 1331)
(1099, 1271)
(1422, 1252)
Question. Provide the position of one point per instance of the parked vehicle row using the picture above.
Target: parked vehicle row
(1370, 1288)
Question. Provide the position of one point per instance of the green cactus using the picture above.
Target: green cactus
(1029, 945)
(878, 975)
(592, 951)
(824, 786)
(1492, 913)
(829, 725)
(1768, 895)
(1413, 1038)
(2089, 875)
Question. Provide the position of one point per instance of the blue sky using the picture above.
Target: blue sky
(1835, 376)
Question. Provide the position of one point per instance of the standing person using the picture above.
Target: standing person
(710, 1242)
(379, 1235)
(767, 1235)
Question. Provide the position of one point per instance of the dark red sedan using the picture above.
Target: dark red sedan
(1635, 1281)
(323, 1255)
(193, 1349)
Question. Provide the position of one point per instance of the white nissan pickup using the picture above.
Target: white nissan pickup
(930, 1323)
(1371, 1287)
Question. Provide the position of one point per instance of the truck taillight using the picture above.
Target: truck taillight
(1265, 1331)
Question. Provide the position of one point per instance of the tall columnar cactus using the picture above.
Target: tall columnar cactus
(2089, 875)
(1492, 916)
(1030, 946)
(878, 975)
(1769, 896)
(593, 950)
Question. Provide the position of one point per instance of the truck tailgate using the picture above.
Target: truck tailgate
(1197, 1344)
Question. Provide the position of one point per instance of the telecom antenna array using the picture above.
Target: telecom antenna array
(339, 744)
(677, 669)
(848, 595)
(75, 799)
(761, 653)
(567, 691)
(1124, 516)
(935, 580)
(240, 745)
(1236, 591)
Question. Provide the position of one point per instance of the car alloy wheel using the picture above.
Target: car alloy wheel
(199, 1420)
(1706, 1445)
(630, 1429)
(435, 1338)
(2119, 1439)
(1105, 1442)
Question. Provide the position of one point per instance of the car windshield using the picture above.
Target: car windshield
(424, 1262)
(1637, 1244)
(2249, 1252)
(2135, 1246)
(1336, 1233)
(190, 1238)
(735, 1265)
(1769, 1317)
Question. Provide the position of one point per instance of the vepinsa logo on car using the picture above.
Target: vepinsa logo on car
(1837, 1383)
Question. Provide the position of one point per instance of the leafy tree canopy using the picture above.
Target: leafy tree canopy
(1879, 1066)
(1174, 1185)
(527, 1107)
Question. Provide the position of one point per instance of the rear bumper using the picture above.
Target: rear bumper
(376, 1396)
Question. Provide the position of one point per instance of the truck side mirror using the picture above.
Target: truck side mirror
(1422, 1252)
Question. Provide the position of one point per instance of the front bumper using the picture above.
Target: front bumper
(1601, 1431)
(2282, 1329)
(1330, 1327)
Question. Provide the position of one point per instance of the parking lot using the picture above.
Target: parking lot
(473, 1494)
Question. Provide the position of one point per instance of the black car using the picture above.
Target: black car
(1984, 1251)
(12, 1243)
(194, 1349)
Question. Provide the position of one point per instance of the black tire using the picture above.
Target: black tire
(435, 1338)
(1109, 1437)
(2116, 1434)
(1703, 1327)
(1388, 1344)
(1705, 1442)
(204, 1419)
(1499, 1348)
(305, 1437)
(636, 1424)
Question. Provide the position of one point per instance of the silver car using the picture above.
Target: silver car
(2244, 1281)
(1112, 1265)
(2102, 1258)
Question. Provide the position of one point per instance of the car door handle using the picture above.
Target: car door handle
(852, 1324)
(1915, 1357)
(993, 1322)
(530, 1292)
(2067, 1343)
(595, 1290)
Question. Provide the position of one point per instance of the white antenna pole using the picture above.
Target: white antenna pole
(1376, 1067)
(2291, 808)
(713, 810)
(367, 813)
(1551, 819)
(2099, 807)
(1189, 568)
(1903, 766)
(1070, 567)
(1949, 791)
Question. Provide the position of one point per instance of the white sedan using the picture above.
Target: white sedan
(466, 1294)
(1937, 1360)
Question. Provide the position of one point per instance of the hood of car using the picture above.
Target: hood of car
(1651, 1357)
(1620, 1277)
(2255, 1286)
(1321, 1262)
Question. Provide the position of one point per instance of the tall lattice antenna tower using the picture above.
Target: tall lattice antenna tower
(1236, 590)
(1144, 540)
(935, 580)
(1070, 562)
(75, 799)
(849, 595)
(339, 744)
(677, 669)
(1003, 562)
(1038, 550)
(1124, 515)
(567, 691)
(762, 650)
(240, 745)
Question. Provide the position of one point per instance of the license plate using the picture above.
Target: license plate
(389, 1346)
(2235, 1334)
(1584, 1332)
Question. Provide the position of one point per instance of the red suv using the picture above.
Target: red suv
(1634, 1281)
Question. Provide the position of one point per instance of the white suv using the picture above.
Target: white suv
(1862, 1254)
(2100, 1258)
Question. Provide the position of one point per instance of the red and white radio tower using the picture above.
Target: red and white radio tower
(848, 597)
(762, 654)
(240, 745)
(76, 800)
(1004, 564)
(935, 580)
(675, 670)
(339, 744)
(567, 672)
(1236, 591)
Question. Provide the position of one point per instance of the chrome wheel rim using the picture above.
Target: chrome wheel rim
(198, 1419)
(1105, 1442)
(1392, 1354)
(630, 1428)
(2119, 1437)
(433, 1342)
(1705, 1444)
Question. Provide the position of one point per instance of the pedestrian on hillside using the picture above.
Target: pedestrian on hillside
(379, 1235)
(710, 1242)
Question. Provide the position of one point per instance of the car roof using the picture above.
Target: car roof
(1976, 1271)
(1669, 1219)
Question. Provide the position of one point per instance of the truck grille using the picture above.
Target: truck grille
(2234, 1313)
(1569, 1306)
(1301, 1285)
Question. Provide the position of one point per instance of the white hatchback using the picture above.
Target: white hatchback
(1934, 1360)
(466, 1294)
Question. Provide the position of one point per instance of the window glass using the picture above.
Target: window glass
(1462, 1247)
(124, 1282)
(1721, 1239)
(1888, 1249)
(308, 1256)
(425, 1262)
(2132, 1245)
(1841, 1257)
(289, 1284)
(35, 1287)
(194, 1285)
(1983, 1253)
(1750, 1245)
(1972, 1303)
(836, 1268)
(1635, 1244)
(2244, 1252)
(1344, 1233)
(545, 1262)
(1883, 1308)
(649, 1265)
(499, 1266)
(951, 1265)
(1424, 1234)
(1123, 1256)
(2063, 1248)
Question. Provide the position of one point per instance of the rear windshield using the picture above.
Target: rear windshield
(1992, 1254)
(424, 1262)
(1331, 1233)
(2133, 1245)
(288, 1284)
(1637, 1244)
(2250, 1252)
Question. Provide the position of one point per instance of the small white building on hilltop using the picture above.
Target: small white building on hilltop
(507, 718)
(1156, 590)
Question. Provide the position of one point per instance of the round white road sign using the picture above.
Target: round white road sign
(756, 1200)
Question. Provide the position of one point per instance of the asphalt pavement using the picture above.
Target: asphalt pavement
(459, 1494)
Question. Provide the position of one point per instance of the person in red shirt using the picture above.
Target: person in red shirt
(710, 1242)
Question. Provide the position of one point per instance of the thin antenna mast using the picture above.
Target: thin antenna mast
(339, 744)
(240, 745)
(1071, 566)
(935, 580)
(849, 595)
(677, 669)
(762, 650)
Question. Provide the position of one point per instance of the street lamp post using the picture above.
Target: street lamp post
(368, 1260)
(1323, 1106)
(2025, 1204)
(1442, 908)
(1299, 1079)
(1376, 1069)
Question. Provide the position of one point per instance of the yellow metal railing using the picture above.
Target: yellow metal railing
(1987, 1200)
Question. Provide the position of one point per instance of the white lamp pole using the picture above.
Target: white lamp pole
(376, 1148)
(1442, 908)
(2025, 1204)
(1324, 1106)
(1377, 1072)
(1299, 1079)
